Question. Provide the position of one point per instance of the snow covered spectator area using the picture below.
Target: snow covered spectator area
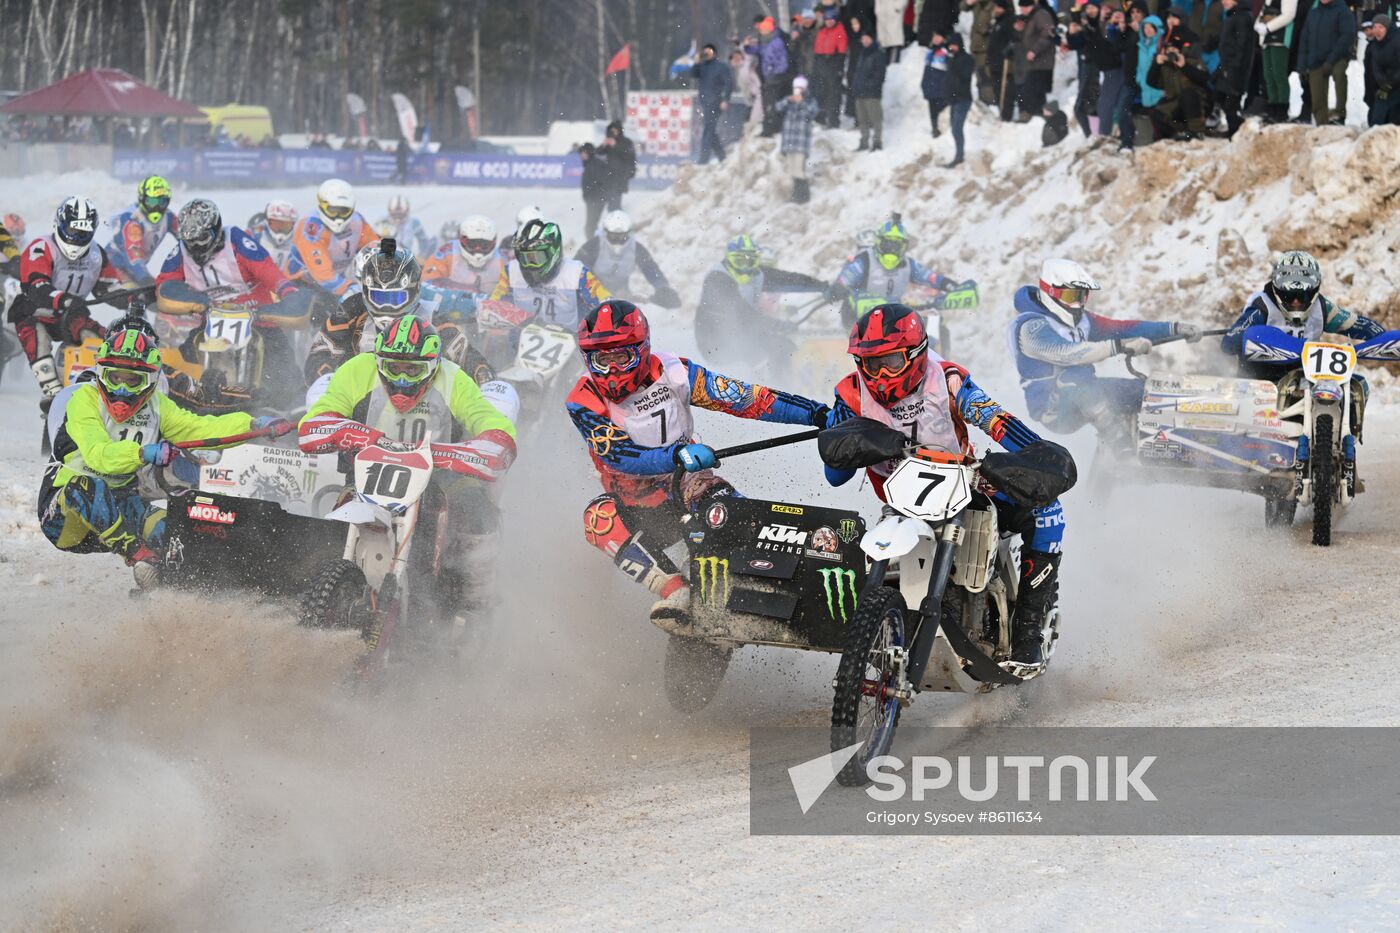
(1175, 230)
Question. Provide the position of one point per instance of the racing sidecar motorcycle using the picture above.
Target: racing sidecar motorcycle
(1288, 431)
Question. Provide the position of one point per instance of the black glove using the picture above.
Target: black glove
(836, 291)
(70, 303)
(666, 297)
(819, 416)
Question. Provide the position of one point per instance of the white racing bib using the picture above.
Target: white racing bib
(220, 279)
(555, 303)
(1312, 328)
(924, 416)
(659, 414)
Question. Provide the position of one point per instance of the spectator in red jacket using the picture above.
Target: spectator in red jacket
(830, 54)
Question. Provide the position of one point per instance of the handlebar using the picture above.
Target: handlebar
(1128, 357)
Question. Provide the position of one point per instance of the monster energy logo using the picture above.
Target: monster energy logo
(836, 581)
(308, 481)
(847, 530)
(713, 575)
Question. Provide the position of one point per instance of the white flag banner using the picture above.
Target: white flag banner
(408, 117)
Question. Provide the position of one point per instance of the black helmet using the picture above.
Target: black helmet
(390, 279)
(539, 248)
(200, 229)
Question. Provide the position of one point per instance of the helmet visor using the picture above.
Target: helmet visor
(388, 297)
(74, 234)
(477, 247)
(613, 359)
(893, 363)
(533, 258)
(155, 207)
(279, 226)
(619, 239)
(1070, 297)
(126, 381)
(1295, 297)
(335, 212)
(405, 371)
(891, 246)
(744, 260)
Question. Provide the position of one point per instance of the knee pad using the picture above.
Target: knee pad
(1049, 528)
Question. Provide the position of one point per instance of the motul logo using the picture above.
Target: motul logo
(211, 513)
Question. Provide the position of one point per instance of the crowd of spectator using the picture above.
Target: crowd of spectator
(1146, 70)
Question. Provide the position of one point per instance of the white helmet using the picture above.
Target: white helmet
(336, 201)
(398, 208)
(477, 238)
(617, 228)
(528, 213)
(280, 218)
(1064, 289)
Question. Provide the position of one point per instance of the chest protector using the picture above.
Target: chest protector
(143, 427)
(221, 278)
(890, 284)
(341, 247)
(75, 276)
(279, 254)
(553, 303)
(1312, 328)
(659, 414)
(924, 416)
(614, 268)
(431, 414)
(467, 278)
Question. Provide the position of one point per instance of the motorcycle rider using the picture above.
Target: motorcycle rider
(730, 323)
(1056, 342)
(391, 287)
(469, 259)
(112, 426)
(11, 236)
(43, 311)
(614, 254)
(225, 266)
(141, 228)
(272, 227)
(883, 272)
(1292, 301)
(900, 382)
(407, 229)
(540, 284)
(633, 408)
(325, 243)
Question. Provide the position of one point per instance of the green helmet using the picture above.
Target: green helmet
(891, 243)
(742, 258)
(128, 365)
(153, 197)
(406, 354)
(539, 248)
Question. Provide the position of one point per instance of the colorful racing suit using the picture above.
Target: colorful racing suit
(135, 242)
(568, 296)
(410, 235)
(634, 443)
(52, 303)
(448, 268)
(321, 257)
(1056, 364)
(89, 500)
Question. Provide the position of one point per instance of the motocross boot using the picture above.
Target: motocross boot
(1034, 600)
(145, 567)
(670, 613)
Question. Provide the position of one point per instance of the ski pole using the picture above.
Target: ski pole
(811, 307)
(769, 444)
(208, 442)
(119, 299)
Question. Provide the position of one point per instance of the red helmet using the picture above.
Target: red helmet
(616, 344)
(890, 346)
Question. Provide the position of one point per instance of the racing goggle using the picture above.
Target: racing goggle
(613, 359)
(126, 381)
(532, 258)
(893, 363)
(1070, 297)
(155, 208)
(405, 372)
(337, 213)
(1298, 297)
(280, 227)
(891, 246)
(744, 260)
(388, 297)
(619, 239)
(75, 235)
(477, 247)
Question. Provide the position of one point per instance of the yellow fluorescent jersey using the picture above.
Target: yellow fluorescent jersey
(92, 443)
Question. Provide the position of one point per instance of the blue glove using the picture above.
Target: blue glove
(696, 457)
(273, 425)
(160, 453)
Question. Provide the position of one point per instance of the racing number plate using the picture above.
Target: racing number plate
(543, 349)
(234, 328)
(933, 491)
(393, 478)
(1328, 362)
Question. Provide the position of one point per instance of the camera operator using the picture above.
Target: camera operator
(1185, 85)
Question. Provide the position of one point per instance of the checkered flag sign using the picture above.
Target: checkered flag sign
(659, 121)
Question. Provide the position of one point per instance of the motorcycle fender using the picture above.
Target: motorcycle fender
(893, 537)
(519, 374)
(360, 512)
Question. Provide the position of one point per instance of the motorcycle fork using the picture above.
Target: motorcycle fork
(931, 609)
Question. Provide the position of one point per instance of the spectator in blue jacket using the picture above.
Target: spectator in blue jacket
(714, 84)
(935, 80)
(1325, 50)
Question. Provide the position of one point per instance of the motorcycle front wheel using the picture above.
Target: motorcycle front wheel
(865, 708)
